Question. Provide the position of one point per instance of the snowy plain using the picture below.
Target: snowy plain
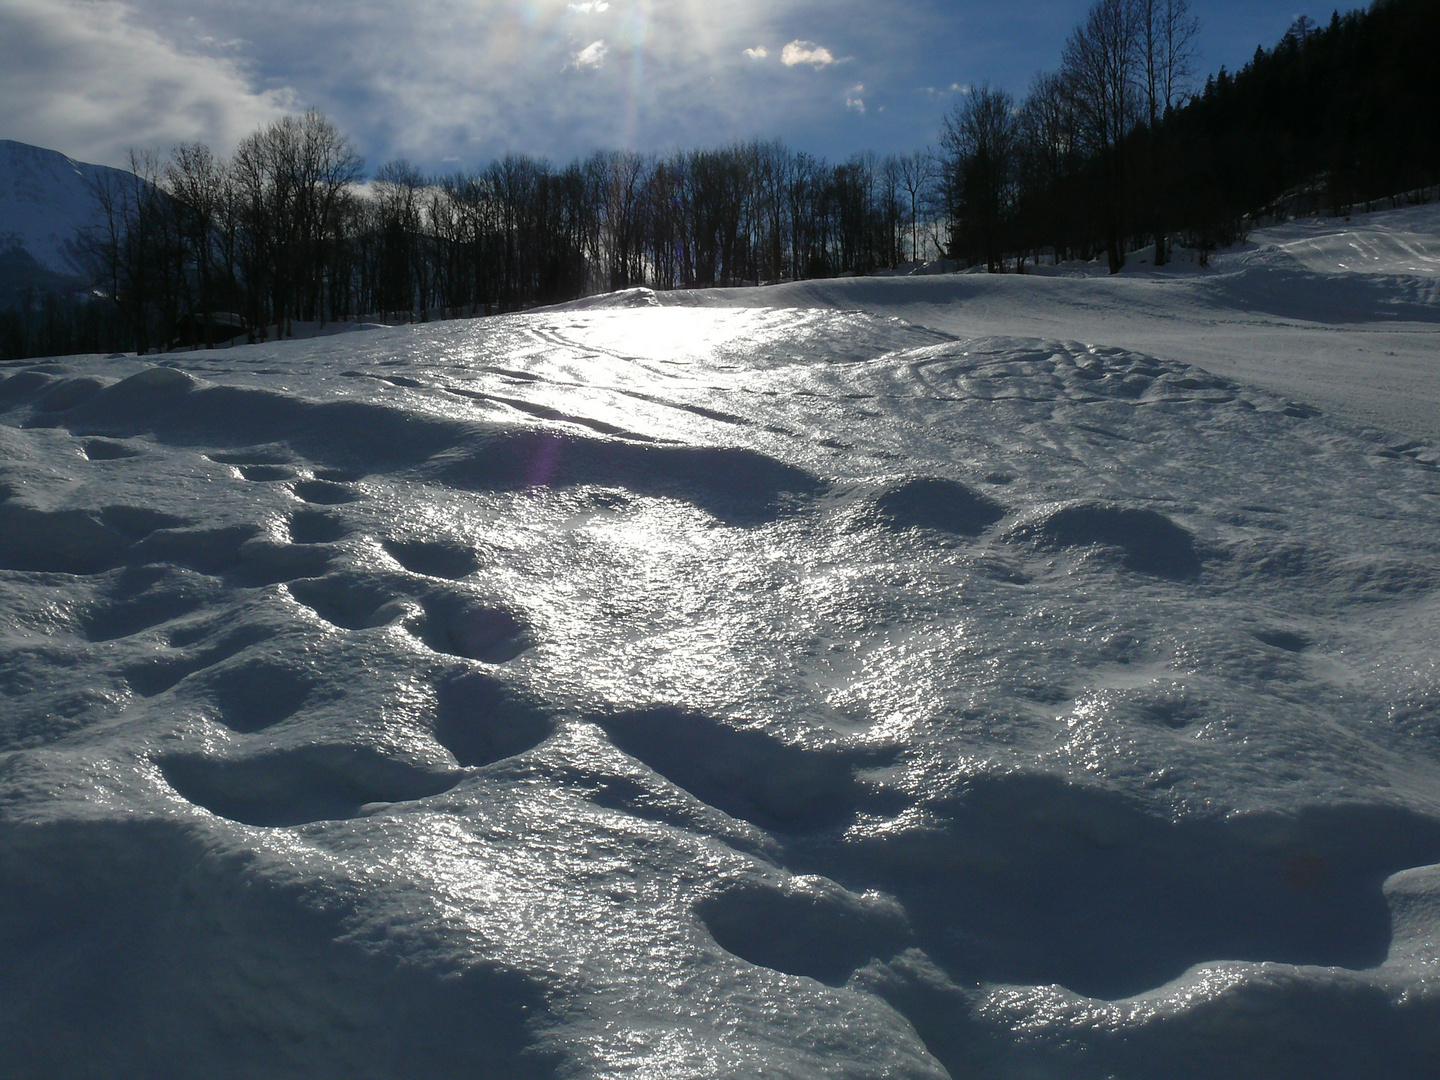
(984, 677)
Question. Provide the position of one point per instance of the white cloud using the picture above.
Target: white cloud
(433, 79)
(589, 7)
(84, 77)
(806, 52)
(592, 56)
(757, 53)
(853, 101)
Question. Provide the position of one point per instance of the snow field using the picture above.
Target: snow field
(698, 691)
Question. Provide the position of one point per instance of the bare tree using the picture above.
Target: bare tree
(620, 178)
(1100, 63)
(891, 212)
(1301, 30)
(329, 168)
(917, 177)
(773, 164)
(1049, 157)
(980, 139)
(1167, 33)
(133, 252)
(398, 189)
(196, 181)
(294, 180)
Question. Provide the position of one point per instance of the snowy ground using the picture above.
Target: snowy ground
(1340, 314)
(734, 691)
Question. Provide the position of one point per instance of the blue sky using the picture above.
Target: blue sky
(453, 83)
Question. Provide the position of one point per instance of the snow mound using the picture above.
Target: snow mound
(1145, 539)
(944, 505)
(625, 298)
(1390, 242)
(1357, 340)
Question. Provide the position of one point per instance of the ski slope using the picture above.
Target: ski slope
(900, 679)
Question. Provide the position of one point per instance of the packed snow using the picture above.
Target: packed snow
(763, 684)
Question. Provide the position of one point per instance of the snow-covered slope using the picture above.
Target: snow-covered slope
(1293, 310)
(696, 692)
(1395, 242)
(45, 200)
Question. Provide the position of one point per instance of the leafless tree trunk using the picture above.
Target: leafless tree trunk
(1100, 66)
(1167, 34)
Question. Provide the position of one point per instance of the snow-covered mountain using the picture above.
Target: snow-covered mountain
(734, 685)
(46, 198)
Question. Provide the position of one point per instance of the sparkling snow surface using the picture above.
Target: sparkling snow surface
(708, 692)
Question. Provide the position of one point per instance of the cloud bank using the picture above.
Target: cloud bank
(86, 78)
(442, 82)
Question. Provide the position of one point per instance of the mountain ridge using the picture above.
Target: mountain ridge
(46, 198)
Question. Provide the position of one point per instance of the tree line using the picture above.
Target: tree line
(191, 246)
(1113, 150)
(1110, 151)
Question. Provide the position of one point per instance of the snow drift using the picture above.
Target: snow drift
(668, 691)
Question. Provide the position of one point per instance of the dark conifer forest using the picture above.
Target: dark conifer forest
(1119, 147)
(1329, 118)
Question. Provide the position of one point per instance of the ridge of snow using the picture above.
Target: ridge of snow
(1294, 310)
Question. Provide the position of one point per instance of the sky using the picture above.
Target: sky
(452, 84)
